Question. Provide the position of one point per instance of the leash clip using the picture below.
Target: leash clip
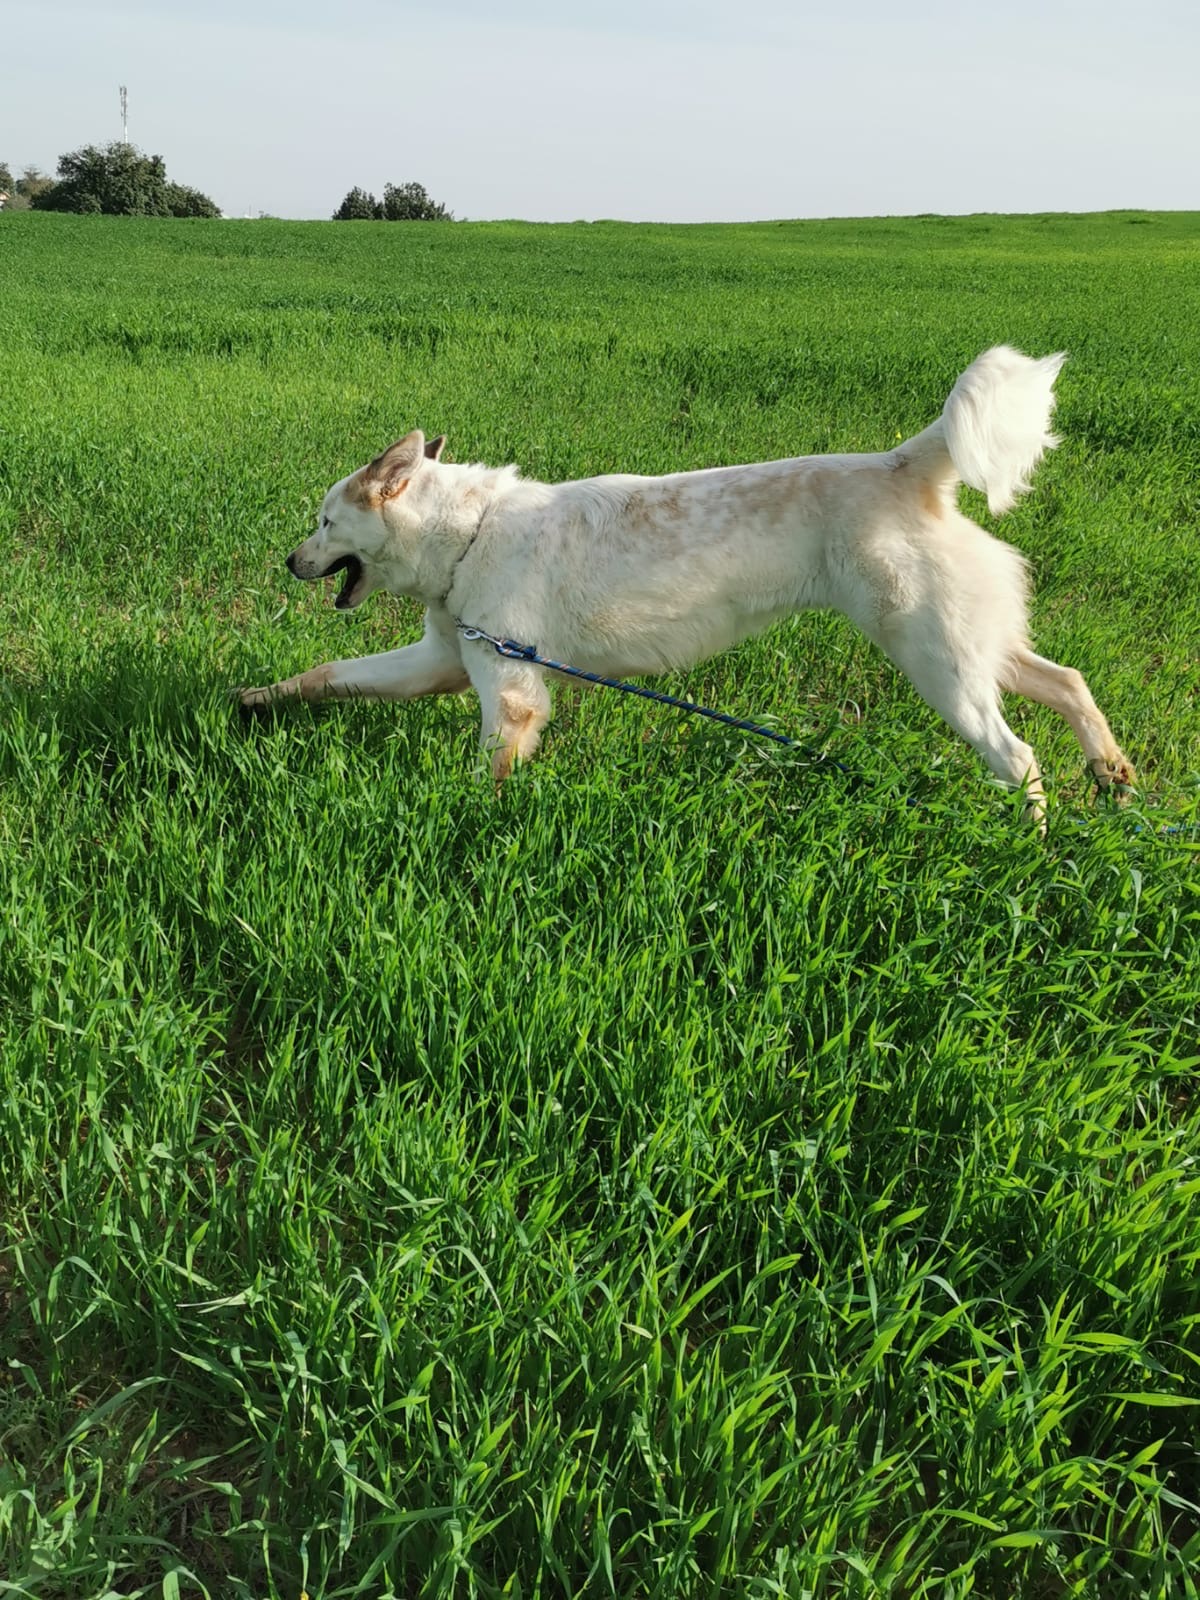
(472, 634)
(503, 647)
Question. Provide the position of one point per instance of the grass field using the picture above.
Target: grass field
(683, 1174)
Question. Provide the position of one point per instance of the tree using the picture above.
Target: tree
(409, 202)
(402, 202)
(21, 191)
(33, 181)
(187, 202)
(119, 181)
(358, 206)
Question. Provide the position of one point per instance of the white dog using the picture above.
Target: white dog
(625, 575)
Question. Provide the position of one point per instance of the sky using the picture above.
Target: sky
(644, 110)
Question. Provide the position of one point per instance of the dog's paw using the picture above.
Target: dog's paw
(1115, 779)
(254, 702)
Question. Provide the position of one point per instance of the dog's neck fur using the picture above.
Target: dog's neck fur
(458, 499)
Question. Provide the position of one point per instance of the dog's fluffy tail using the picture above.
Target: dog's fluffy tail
(995, 427)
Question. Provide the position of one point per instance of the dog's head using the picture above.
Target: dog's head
(358, 522)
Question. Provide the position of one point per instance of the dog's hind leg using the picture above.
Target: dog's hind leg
(977, 718)
(514, 704)
(960, 691)
(1064, 690)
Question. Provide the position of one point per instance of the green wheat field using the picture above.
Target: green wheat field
(687, 1173)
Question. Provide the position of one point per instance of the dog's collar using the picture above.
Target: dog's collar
(465, 552)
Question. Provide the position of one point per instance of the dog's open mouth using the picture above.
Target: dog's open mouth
(353, 568)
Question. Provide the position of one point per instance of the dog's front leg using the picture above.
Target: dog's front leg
(431, 666)
(514, 704)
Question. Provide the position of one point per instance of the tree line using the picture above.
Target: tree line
(402, 202)
(114, 180)
(118, 180)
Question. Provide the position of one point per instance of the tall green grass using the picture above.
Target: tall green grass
(685, 1173)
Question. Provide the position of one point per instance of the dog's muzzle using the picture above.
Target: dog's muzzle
(349, 564)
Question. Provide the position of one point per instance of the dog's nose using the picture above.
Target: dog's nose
(291, 565)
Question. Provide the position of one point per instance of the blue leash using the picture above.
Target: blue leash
(526, 652)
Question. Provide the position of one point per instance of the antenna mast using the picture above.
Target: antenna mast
(124, 115)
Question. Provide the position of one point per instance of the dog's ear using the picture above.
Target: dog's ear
(389, 473)
(434, 447)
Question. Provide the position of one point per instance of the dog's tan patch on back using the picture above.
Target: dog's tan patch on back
(658, 519)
